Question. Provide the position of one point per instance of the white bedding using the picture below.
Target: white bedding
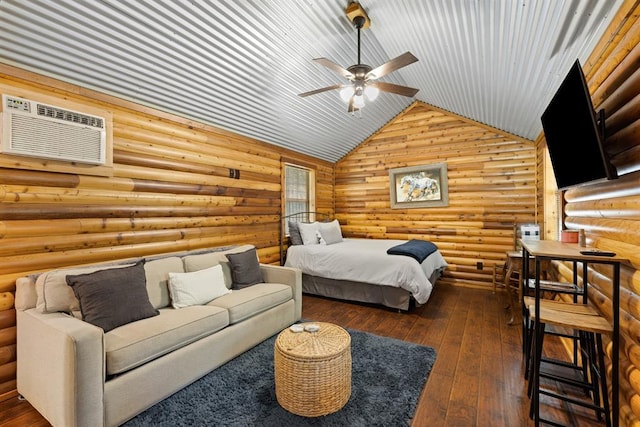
(366, 260)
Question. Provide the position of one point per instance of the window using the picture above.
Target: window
(299, 190)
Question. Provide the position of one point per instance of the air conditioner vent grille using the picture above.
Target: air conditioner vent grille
(33, 137)
(70, 116)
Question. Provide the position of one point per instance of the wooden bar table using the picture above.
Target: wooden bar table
(555, 250)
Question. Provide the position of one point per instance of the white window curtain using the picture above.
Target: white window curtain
(299, 193)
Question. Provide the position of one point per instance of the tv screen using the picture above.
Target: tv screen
(574, 136)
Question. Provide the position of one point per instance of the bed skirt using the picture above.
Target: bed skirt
(388, 296)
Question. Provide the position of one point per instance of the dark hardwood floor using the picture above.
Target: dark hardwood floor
(477, 379)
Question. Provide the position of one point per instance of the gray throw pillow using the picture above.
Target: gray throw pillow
(294, 233)
(245, 269)
(114, 297)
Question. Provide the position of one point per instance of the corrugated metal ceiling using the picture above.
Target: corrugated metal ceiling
(240, 65)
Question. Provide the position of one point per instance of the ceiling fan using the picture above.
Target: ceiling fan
(362, 78)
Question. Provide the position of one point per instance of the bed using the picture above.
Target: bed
(356, 269)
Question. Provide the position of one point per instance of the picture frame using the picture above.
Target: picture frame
(423, 186)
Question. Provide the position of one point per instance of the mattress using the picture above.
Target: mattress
(367, 261)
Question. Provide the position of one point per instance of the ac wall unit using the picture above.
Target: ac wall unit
(34, 129)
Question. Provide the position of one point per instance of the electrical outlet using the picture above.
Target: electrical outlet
(232, 173)
(479, 265)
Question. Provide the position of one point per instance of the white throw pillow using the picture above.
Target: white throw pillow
(308, 232)
(197, 287)
(330, 232)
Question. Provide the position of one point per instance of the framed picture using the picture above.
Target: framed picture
(419, 186)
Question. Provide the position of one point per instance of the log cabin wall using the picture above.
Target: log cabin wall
(491, 180)
(608, 211)
(169, 190)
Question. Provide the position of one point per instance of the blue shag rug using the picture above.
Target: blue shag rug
(387, 378)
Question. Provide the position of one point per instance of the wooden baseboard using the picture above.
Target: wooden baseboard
(8, 395)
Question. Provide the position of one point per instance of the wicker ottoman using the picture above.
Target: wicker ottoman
(313, 370)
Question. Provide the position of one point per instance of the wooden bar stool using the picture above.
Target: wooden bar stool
(581, 309)
(551, 289)
(508, 275)
(590, 365)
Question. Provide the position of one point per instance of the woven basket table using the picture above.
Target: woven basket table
(312, 370)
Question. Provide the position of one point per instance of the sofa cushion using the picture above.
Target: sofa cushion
(137, 343)
(197, 262)
(113, 297)
(26, 295)
(245, 269)
(53, 292)
(247, 302)
(196, 287)
(157, 274)
(210, 259)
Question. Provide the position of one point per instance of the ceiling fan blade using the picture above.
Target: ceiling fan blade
(324, 89)
(393, 88)
(392, 65)
(334, 67)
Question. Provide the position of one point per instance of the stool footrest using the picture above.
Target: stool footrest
(579, 402)
(561, 363)
(560, 287)
(570, 381)
(551, 423)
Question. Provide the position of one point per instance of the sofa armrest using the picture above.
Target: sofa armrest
(287, 276)
(61, 367)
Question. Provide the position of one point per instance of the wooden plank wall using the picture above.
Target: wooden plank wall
(169, 191)
(491, 178)
(608, 212)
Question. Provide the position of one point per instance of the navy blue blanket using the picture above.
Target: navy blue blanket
(416, 249)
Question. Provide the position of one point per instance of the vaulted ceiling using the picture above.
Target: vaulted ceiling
(240, 65)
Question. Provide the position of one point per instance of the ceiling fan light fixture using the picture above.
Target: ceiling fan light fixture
(346, 93)
(358, 87)
(371, 92)
(358, 101)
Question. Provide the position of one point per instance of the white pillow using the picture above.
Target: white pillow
(330, 232)
(197, 287)
(308, 232)
(320, 239)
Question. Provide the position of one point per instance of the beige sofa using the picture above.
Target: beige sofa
(75, 374)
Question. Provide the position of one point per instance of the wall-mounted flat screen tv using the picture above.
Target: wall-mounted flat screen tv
(574, 135)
